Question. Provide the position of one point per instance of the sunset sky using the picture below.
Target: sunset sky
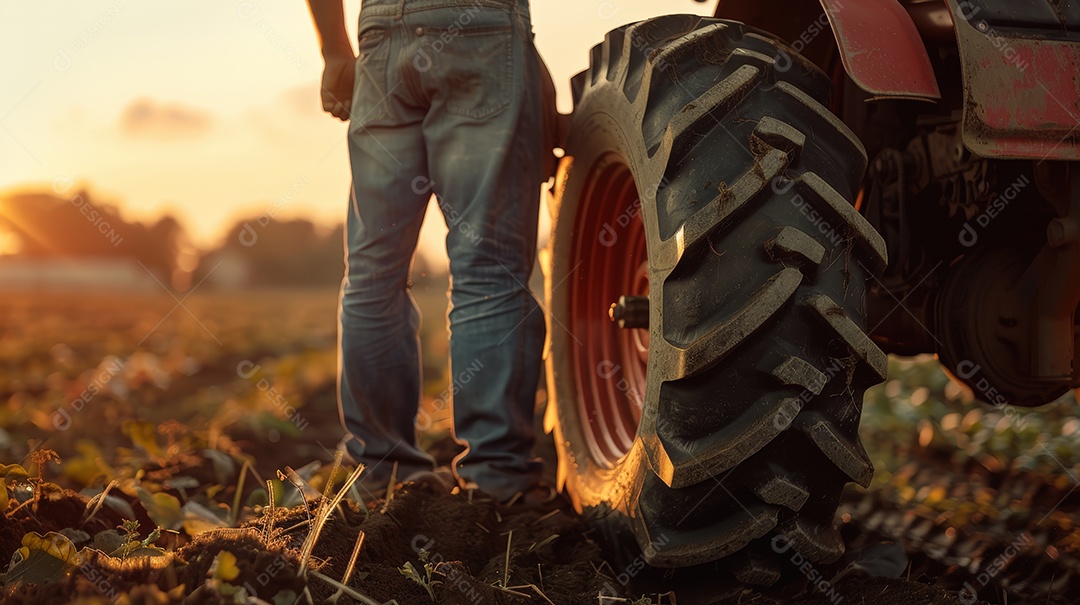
(208, 109)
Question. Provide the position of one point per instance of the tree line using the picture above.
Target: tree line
(272, 252)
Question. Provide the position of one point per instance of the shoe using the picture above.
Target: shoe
(440, 480)
(540, 494)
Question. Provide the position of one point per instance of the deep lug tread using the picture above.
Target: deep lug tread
(730, 202)
(795, 245)
(706, 111)
(687, 45)
(612, 53)
(782, 491)
(780, 135)
(836, 318)
(794, 371)
(814, 542)
(596, 54)
(577, 86)
(821, 110)
(732, 534)
(744, 54)
(751, 568)
(683, 464)
(778, 145)
(709, 348)
(812, 185)
(848, 455)
(643, 39)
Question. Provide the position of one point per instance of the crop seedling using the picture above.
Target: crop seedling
(409, 571)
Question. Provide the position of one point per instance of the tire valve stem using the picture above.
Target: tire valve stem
(630, 312)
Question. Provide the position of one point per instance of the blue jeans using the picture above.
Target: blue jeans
(447, 101)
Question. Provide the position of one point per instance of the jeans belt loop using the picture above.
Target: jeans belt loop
(521, 12)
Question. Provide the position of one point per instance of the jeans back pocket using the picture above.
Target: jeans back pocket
(475, 68)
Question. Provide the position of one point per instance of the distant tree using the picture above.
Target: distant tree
(78, 226)
(280, 253)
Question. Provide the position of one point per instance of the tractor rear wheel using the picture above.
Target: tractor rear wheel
(705, 283)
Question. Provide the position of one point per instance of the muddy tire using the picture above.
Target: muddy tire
(704, 171)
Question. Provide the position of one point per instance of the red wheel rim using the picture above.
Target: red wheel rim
(610, 260)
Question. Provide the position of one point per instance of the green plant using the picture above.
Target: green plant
(423, 579)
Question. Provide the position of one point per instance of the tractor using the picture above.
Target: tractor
(753, 210)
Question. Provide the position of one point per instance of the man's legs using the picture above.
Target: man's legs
(379, 362)
(483, 141)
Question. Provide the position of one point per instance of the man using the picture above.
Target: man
(444, 97)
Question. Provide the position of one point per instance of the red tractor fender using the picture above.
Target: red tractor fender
(880, 47)
(1021, 94)
(882, 51)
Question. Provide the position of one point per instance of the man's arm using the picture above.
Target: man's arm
(338, 74)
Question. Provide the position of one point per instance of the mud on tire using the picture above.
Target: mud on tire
(757, 362)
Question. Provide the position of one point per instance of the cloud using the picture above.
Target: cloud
(293, 118)
(303, 99)
(147, 118)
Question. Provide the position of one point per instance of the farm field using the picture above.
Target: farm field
(167, 450)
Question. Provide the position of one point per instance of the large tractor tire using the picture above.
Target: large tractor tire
(705, 202)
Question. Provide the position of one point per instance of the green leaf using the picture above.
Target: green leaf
(257, 497)
(163, 508)
(198, 518)
(13, 471)
(41, 559)
(108, 541)
(142, 435)
(153, 537)
(285, 597)
(36, 567)
(224, 566)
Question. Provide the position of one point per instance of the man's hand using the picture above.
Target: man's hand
(339, 77)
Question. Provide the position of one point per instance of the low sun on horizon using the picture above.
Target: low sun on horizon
(211, 128)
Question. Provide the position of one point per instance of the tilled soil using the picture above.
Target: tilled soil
(467, 542)
(462, 547)
(987, 534)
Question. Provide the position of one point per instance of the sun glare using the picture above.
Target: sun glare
(10, 243)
